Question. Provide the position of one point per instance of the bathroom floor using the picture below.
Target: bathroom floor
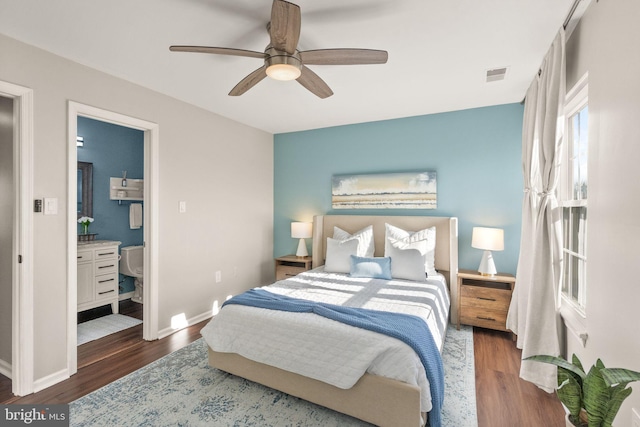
(95, 351)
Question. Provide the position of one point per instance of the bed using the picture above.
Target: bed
(375, 396)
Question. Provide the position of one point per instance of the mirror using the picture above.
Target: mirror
(85, 189)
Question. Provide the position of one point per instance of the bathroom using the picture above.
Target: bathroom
(115, 154)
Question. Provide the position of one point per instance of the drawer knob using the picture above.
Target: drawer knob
(105, 292)
(105, 281)
(486, 318)
(486, 299)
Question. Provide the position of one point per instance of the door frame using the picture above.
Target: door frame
(150, 231)
(22, 335)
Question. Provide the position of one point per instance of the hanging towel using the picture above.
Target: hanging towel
(135, 216)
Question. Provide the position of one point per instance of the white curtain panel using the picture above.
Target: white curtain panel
(516, 318)
(534, 314)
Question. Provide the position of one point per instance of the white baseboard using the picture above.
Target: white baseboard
(125, 296)
(63, 374)
(192, 321)
(6, 369)
(49, 380)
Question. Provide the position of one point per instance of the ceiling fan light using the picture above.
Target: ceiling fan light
(283, 72)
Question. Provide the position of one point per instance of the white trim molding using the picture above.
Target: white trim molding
(574, 320)
(22, 341)
(191, 321)
(52, 379)
(125, 296)
(151, 230)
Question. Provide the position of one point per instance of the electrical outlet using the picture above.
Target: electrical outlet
(635, 418)
(218, 276)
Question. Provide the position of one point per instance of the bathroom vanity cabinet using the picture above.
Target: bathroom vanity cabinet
(98, 274)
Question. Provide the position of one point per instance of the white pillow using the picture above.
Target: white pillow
(338, 259)
(407, 264)
(364, 237)
(424, 241)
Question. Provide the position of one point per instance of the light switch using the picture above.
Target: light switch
(50, 206)
(182, 207)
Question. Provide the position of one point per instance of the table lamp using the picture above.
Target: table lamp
(488, 239)
(301, 230)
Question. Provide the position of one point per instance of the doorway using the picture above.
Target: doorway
(17, 336)
(108, 156)
(6, 234)
(150, 232)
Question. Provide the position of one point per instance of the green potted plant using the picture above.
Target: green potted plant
(592, 399)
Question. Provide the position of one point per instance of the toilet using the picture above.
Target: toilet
(131, 264)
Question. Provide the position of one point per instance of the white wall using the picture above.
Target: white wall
(222, 169)
(607, 45)
(6, 227)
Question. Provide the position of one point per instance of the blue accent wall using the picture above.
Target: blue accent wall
(112, 149)
(476, 154)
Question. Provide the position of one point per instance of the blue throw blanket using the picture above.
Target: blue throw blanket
(410, 329)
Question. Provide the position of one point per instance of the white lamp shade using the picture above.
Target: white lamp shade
(489, 239)
(301, 230)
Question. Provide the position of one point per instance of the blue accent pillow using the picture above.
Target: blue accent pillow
(374, 268)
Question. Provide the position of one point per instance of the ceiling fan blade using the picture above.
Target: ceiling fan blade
(218, 51)
(344, 56)
(314, 83)
(250, 81)
(284, 27)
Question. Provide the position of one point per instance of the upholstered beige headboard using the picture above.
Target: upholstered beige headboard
(446, 257)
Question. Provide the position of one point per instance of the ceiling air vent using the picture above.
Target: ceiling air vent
(496, 74)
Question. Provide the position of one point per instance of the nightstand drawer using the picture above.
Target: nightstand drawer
(291, 265)
(484, 300)
(485, 297)
(285, 271)
(485, 318)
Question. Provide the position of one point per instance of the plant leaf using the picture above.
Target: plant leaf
(619, 376)
(618, 395)
(560, 362)
(577, 362)
(570, 391)
(596, 395)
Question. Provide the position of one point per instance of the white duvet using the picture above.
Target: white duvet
(327, 350)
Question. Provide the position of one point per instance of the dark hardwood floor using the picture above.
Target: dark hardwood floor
(503, 399)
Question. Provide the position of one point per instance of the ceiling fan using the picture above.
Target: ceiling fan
(282, 59)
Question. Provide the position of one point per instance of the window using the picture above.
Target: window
(573, 192)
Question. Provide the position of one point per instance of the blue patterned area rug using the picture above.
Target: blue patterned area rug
(182, 390)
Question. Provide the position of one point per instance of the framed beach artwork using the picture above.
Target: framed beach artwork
(405, 190)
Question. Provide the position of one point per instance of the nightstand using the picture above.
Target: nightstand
(484, 300)
(291, 265)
